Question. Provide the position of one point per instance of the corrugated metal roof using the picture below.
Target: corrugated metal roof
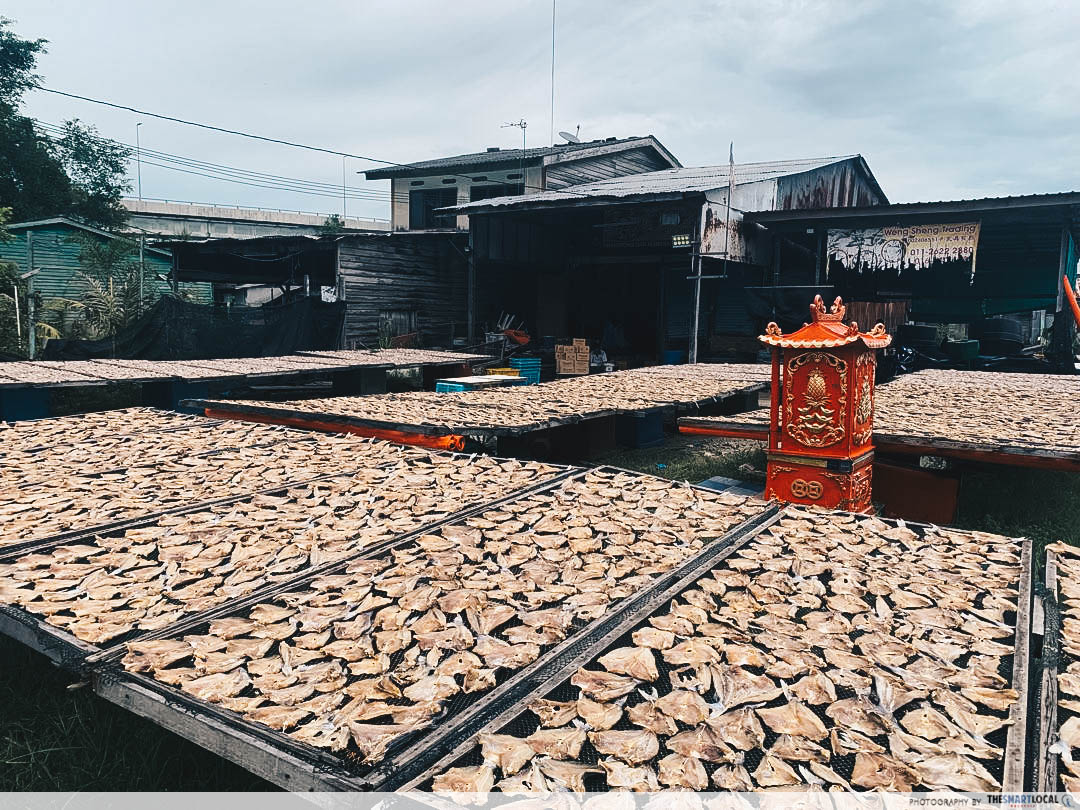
(1014, 202)
(68, 222)
(503, 156)
(666, 181)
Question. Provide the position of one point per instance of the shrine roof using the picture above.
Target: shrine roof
(826, 330)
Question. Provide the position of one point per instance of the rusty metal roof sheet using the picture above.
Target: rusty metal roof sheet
(977, 204)
(664, 182)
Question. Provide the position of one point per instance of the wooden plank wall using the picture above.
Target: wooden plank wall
(420, 273)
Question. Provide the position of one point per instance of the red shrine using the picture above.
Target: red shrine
(820, 434)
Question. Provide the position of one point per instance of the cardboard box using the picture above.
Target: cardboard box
(571, 365)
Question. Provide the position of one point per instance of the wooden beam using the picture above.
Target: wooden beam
(279, 767)
(1046, 764)
(1013, 779)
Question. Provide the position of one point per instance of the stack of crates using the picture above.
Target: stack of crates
(527, 367)
(572, 359)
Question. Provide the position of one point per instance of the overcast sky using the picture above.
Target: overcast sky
(944, 99)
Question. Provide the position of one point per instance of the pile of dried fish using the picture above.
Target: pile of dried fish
(355, 660)
(1068, 575)
(90, 426)
(401, 358)
(984, 408)
(830, 652)
(995, 411)
(91, 452)
(537, 406)
(37, 373)
(80, 502)
(148, 577)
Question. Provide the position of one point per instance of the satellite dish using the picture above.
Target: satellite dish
(571, 138)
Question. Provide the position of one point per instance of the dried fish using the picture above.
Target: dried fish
(478, 779)
(603, 686)
(621, 775)
(676, 770)
(554, 713)
(598, 715)
(508, 753)
(632, 747)
(637, 662)
(796, 719)
(567, 775)
(557, 743)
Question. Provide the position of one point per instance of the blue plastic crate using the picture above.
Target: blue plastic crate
(529, 368)
(447, 388)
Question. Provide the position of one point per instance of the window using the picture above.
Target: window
(422, 205)
(495, 190)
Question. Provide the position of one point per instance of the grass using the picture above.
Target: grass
(695, 458)
(55, 739)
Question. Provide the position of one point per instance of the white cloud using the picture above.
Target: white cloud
(944, 99)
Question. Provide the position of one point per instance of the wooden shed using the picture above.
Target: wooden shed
(54, 247)
(393, 284)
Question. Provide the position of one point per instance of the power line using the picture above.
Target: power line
(213, 128)
(236, 175)
(263, 138)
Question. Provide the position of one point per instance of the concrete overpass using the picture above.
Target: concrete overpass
(174, 218)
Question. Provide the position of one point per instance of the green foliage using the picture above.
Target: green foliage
(97, 168)
(18, 58)
(78, 174)
(13, 333)
(333, 224)
(114, 293)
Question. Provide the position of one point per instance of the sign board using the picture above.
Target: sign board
(903, 247)
(722, 237)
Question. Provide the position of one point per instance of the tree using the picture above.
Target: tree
(13, 331)
(332, 225)
(18, 58)
(77, 174)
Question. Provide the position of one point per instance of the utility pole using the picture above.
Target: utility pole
(138, 159)
(142, 268)
(344, 213)
(552, 72)
(18, 318)
(28, 277)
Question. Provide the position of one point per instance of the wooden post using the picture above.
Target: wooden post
(776, 261)
(30, 313)
(1061, 339)
(695, 307)
(819, 254)
(470, 291)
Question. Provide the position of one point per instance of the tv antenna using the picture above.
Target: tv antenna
(521, 125)
(571, 137)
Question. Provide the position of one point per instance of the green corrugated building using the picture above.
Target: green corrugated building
(52, 247)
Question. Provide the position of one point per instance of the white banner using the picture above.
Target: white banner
(900, 247)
